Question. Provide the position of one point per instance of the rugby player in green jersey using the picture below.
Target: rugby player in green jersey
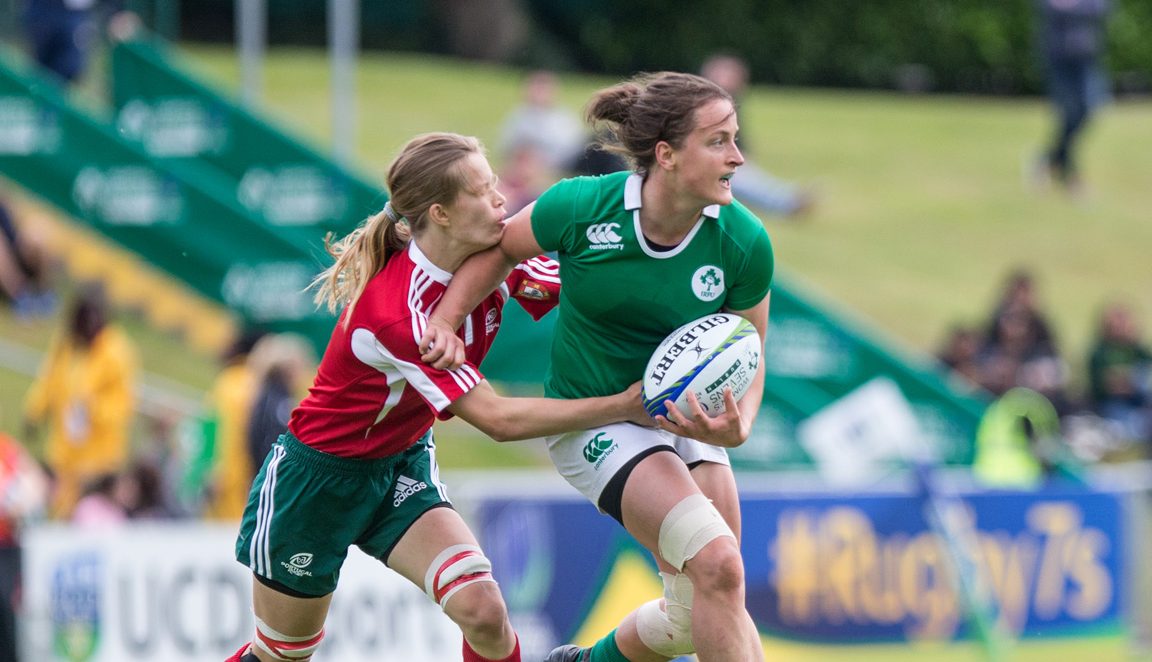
(642, 253)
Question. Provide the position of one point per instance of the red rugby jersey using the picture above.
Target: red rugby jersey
(373, 396)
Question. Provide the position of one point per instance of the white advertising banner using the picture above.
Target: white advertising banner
(174, 592)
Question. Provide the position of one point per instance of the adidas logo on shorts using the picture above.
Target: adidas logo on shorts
(406, 487)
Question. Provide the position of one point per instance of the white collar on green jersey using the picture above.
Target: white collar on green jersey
(632, 196)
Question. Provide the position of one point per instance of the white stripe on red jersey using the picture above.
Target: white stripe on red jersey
(541, 268)
(373, 396)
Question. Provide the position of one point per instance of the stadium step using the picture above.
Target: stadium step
(130, 282)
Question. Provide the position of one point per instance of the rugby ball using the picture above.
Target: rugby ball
(703, 357)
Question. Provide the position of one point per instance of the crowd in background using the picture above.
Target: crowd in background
(1017, 348)
(106, 463)
(88, 457)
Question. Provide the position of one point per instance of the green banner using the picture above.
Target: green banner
(815, 356)
(279, 179)
(175, 216)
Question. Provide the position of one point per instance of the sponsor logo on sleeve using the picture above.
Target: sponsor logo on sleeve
(603, 237)
(530, 289)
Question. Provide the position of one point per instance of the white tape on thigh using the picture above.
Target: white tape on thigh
(689, 526)
(668, 631)
(286, 647)
(455, 568)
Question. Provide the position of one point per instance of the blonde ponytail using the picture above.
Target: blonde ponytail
(359, 256)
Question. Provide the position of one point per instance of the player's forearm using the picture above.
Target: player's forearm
(749, 405)
(540, 417)
(516, 418)
(475, 279)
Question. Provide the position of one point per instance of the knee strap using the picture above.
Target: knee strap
(668, 631)
(453, 569)
(286, 647)
(688, 527)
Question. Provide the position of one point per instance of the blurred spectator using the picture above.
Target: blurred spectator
(114, 498)
(753, 185)
(1119, 367)
(146, 493)
(1073, 41)
(1013, 356)
(554, 132)
(540, 141)
(63, 33)
(158, 452)
(223, 455)
(84, 392)
(23, 496)
(523, 177)
(1019, 294)
(961, 353)
(1018, 442)
(105, 501)
(282, 366)
(23, 271)
(595, 160)
(1019, 349)
(60, 34)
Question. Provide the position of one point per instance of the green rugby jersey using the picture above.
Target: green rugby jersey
(620, 298)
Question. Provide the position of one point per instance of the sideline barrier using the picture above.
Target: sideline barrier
(833, 568)
(175, 593)
(859, 570)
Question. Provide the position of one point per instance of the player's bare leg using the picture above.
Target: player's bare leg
(285, 625)
(721, 628)
(477, 606)
(718, 483)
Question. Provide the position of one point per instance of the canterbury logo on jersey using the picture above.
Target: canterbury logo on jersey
(406, 487)
(603, 237)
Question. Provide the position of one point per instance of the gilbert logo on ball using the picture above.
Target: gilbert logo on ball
(704, 357)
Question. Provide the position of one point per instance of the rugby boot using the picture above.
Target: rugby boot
(569, 653)
(243, 655)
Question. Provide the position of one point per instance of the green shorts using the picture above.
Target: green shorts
(307, 507)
